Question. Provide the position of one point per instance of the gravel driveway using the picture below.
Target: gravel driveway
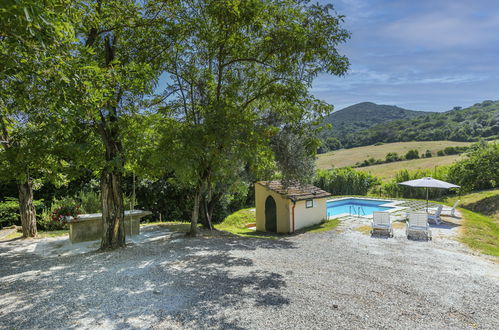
(337, 279)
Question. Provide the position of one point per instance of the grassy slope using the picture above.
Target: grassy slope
(348, 157)
(480, 232)
(480, 211)
(387, 171)
(485, 202)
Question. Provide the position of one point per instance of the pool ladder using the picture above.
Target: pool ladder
(356, 211)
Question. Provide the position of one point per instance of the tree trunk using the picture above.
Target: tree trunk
(113, 212)
(208, 208)
(113, 209)
(195, 214)
(207, 214)
(27, 209)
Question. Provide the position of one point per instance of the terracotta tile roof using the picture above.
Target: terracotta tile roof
(295, 192)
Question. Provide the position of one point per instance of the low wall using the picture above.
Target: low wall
(88, 227)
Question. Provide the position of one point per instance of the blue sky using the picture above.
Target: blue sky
(417, 54)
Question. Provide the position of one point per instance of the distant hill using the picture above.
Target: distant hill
(361, 116)
(466, 125)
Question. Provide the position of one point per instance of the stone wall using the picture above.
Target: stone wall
(88, 227)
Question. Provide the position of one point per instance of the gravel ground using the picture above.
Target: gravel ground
(336, 279)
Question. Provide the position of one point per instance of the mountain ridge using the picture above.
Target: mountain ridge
(358, 117)
(368, 123)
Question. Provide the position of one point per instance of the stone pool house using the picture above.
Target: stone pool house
(286, 209)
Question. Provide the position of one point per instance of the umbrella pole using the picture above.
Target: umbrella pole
(426, 199)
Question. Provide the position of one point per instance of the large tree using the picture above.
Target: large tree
(33, 37)
(238, 74)
(112, 69)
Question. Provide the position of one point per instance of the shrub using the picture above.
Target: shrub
(345, 181)
(47, 222)
(451, 151)
(392, 157)
(332, 143)
(151, 196)
(53, 219)
(428, 154)
(9, 211)
(440, 153)
(62, 213)
(412, 154)
(369, 162)
(90, 201)
(479, 171)
(393, 189)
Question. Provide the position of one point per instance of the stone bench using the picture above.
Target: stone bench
(88, 227)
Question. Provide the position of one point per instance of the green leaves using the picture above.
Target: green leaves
(238, 78)
(199, 87)
(480, 170)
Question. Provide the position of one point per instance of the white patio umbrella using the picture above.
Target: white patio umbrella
(429, 182)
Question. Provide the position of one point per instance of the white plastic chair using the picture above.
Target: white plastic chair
(381, 221)
(436, 216)
(448, 210)
(418, 223)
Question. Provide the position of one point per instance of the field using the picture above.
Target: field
(348, 157)
(387, 171)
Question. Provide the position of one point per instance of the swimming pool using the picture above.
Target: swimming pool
(357, 206)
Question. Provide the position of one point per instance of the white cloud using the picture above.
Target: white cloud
(451, 27)
(361, 77)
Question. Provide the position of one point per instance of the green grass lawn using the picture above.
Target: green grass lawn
(237, 221)
(480, 211)
(41, 234)
(480, 232)
(236, 224)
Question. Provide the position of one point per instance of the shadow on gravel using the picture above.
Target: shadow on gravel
(381, 236)
(10, 240)
(184, 282)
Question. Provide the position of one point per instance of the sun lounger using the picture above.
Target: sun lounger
(382, 222)
(418, 224)
(447, 210)
(436, 216)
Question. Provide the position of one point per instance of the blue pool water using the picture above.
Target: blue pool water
(352, 205)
